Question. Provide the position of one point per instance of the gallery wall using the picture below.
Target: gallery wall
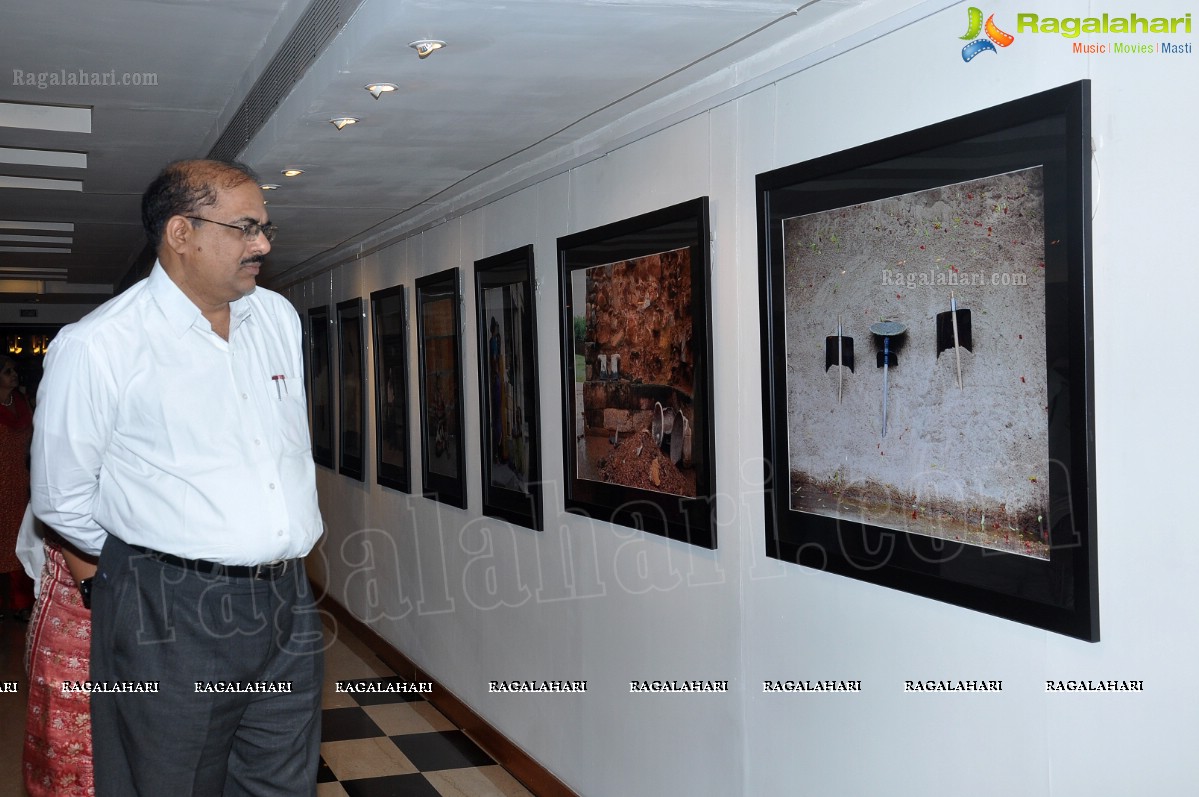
(471, 599)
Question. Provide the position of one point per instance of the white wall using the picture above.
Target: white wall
(586, 600)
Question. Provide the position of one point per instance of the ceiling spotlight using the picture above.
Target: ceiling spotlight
(291, 172)
(424, 47)
(378, 89)
(269, 186)
(341, 122)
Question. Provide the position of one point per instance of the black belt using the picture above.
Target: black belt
(264, 572)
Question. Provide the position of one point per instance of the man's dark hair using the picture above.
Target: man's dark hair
(182, 188)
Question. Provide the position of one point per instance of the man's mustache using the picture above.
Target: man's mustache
(255, 260)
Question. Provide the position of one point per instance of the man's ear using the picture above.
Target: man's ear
(177, 234)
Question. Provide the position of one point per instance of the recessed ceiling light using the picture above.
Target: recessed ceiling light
(53, 226)
(269, 186)
(291, 172)
(36, 239)
(341, 122)
(62, 119)
(40, 183)
(43, 157)
(378, 89)
(425, 47)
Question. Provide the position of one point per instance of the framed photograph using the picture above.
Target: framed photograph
(389, 316)
(351, 362)
(508, 409)
(439, 332)
(927, 365)
(320, 389)
(636, 373)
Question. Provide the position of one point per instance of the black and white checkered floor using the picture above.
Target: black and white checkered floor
(395, 744)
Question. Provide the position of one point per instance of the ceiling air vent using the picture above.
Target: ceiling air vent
(315, 29)
(312, 33)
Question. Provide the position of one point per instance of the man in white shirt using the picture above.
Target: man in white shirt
(171, 438)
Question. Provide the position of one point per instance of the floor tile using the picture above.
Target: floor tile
(347, 658)
(330, 790)
(403, 718)
(331, 698)
(324, 774)
(441, 750)
(492, 781)
(391, 786)
(338, 724)
(365, 758)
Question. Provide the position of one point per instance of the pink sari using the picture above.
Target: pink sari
(57, 761)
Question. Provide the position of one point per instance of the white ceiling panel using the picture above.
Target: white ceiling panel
(159, 80)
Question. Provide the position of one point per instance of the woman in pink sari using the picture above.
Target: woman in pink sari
(57, 760)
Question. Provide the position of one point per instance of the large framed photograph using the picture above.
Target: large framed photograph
(439, 332)
(351, 363)
(509, 417)
(637, 378)
(927, 362)
(389, 317)
(320, 388)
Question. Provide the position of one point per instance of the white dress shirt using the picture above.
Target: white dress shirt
(151, 427)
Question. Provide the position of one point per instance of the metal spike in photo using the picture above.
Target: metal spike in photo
(953, 332)
(887, 357)
(838, 351)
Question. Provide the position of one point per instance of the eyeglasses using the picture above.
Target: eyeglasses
(249, 230)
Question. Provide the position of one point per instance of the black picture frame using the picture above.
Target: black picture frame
(389, 322)
(439, 333)
(320, 391)
(987, 500)
(508, 388)
(636, 371)
(351, 389)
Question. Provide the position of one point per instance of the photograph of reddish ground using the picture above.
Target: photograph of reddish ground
(635, 373)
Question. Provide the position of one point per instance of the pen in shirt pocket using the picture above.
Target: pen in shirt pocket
(280, 385)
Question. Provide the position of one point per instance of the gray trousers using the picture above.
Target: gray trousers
(199, 637)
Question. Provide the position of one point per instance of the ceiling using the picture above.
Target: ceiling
(519, 82)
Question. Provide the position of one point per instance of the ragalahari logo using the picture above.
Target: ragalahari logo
(981, 45)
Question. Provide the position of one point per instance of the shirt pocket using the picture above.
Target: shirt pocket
(291, 414)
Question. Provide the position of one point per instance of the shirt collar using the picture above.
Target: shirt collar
(239, 311)
(181, 312)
